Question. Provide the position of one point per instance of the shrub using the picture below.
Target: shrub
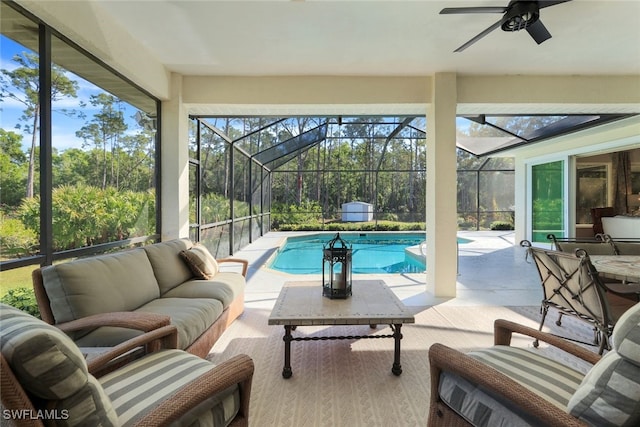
(15, 238)
(23, 299)
(501, 225)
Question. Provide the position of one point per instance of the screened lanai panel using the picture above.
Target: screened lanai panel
(216, 239)
(496, 196)
(283, 152)
(468, 208)
(241, 185)
(483, 135)
(215, 183)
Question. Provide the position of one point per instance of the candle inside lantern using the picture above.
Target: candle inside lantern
(339, 280)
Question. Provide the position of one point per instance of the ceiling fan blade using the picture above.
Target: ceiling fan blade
(538, 31)
(489, 9)
(478, 37)
(542, 3)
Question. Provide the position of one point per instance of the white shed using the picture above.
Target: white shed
(357, 211)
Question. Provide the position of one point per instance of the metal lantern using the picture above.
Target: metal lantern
(336, 268)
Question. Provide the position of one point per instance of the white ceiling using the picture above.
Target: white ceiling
(247, 38)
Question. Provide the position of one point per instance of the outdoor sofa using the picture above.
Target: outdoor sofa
(104, 300)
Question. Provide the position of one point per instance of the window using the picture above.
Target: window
(78, 149)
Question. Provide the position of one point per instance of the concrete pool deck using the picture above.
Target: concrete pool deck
(492, 270)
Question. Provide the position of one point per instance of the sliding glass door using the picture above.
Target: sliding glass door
(548, 200)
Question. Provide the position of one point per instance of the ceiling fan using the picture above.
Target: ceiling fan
(518, 15)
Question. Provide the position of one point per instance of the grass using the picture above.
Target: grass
(16, 278)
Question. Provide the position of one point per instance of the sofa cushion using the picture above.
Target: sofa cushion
(168, 267)
(50, 366)
(200, 261)
(225, 287)
(145, 383)
(191, 316)
(610, 392)
(121, 281)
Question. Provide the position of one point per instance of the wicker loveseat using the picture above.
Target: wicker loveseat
(510, 386)
(103, 300)
(45, 380)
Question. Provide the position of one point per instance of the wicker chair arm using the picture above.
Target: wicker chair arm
(443, 358)
(163, 337)
(236, 370)
(125, 319)
(504, 329)
(244, 262)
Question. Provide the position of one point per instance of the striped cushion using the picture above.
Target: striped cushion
(545, 377)
(477, 406)
(50, 366)
(610, 392)
(89, 406)
(143, 384)
(46, 361)
(626, 335)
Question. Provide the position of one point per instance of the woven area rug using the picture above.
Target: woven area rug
(349, 382)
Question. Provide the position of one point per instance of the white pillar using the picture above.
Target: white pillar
(174, 176)
(521, 202)
(441, 187)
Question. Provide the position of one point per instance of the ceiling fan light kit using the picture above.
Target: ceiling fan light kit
(518, 15)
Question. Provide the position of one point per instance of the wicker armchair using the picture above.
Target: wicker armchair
(506, 385)
(45, 379)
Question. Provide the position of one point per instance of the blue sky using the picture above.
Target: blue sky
(63, 127)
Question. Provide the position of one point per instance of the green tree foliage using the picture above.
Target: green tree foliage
(22, 84)
(86, 215)
(104, 132)
(13, 168)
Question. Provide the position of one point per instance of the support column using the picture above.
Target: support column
(442, 227)
(521, 218)
(175, 164)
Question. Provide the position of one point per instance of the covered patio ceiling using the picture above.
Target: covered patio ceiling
(384, 38)
(396, 38)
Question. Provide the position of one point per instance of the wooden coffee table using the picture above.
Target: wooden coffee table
(371, 303)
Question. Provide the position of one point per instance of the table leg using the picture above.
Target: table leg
(397, 336)
(286, 371)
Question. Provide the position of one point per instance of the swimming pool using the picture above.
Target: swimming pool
(373, 253)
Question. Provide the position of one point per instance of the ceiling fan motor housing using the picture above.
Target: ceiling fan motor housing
(520, 15)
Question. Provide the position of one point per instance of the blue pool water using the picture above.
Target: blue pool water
(373, 253)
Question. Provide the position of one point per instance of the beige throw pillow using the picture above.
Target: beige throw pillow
(200, 261)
